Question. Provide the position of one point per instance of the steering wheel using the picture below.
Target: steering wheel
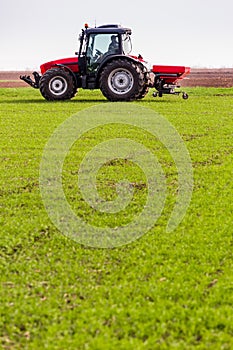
(98, 55)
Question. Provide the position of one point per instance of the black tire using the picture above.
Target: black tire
(121, 80)
(143, 93)
(185, 96)
(57, 84)
(145, 89)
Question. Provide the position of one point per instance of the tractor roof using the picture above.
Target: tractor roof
(109, 29)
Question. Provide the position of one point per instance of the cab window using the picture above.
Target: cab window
(99, 46)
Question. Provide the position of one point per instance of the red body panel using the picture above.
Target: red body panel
(71, 62)
(179, 71)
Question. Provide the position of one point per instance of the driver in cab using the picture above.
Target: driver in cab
(113, 46)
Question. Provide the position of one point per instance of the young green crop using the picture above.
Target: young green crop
(163, 291)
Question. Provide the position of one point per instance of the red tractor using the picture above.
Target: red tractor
(104, 62)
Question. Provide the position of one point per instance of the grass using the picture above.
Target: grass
(163, 291)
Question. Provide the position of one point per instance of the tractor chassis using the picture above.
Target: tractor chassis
(160, 81)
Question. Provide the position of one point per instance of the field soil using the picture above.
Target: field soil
(11, 79)
(222, 77)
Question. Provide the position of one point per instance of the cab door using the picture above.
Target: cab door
(99, 47)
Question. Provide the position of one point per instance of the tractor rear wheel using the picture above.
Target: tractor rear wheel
(143, 93)
(57, 84)
(121, 80)
(147, 84)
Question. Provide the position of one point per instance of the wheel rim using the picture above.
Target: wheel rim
(120, 81)
(58, 85)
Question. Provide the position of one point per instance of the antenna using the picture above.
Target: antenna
(95, 22)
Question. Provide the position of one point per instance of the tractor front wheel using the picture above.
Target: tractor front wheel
(57, 84)
(121, 80)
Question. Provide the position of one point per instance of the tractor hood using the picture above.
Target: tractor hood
(71, 63)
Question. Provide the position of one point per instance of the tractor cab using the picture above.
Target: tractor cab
(98, 44)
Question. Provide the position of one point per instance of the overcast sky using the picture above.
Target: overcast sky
(176, 32)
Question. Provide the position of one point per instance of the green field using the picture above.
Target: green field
(164, 290)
